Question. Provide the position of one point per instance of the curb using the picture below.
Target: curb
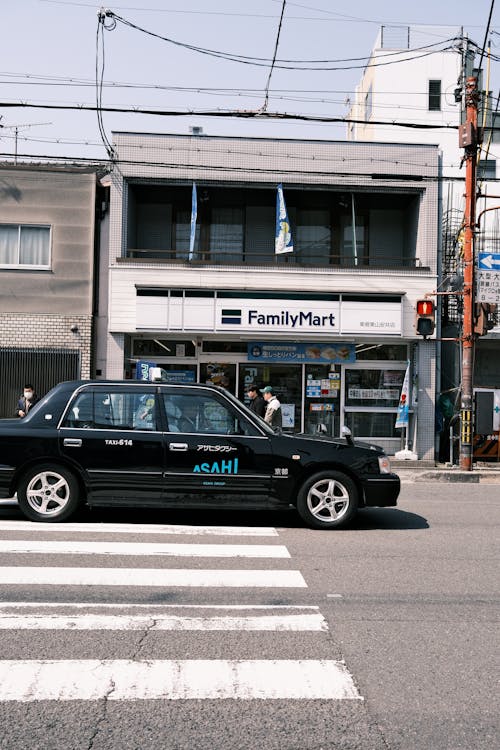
(470, 477)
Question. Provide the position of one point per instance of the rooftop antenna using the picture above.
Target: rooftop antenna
(17, 128)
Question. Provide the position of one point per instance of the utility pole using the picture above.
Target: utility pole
(468, 139)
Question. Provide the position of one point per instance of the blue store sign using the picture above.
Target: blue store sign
(341, 353)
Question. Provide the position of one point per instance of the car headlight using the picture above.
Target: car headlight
(384, 465)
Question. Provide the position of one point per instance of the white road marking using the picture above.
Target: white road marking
(312, 622)
(147, 577)
(175, 680)
(8, 606)
(35, 546)
(138, 528)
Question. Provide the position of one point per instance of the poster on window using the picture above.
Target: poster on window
(288, 415)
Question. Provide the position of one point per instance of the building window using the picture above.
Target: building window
(24, 246)
(434, 96)
(486, 169)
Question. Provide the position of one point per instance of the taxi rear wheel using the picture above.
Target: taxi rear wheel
(327, 500)
(48, 493)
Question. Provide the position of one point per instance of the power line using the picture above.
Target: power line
(486, 33)
(263, 62)
(241, 114)
(99, 77)
(266, 96)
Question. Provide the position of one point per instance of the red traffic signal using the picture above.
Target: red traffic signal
(426, 311)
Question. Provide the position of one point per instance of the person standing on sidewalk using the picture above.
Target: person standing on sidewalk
(27, 400)
(273, 409)
(257, 403)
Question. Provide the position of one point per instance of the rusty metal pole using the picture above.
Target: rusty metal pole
(468, 139)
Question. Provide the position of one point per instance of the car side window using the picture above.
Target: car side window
(203, 414)
(113, 410)
(81, 412)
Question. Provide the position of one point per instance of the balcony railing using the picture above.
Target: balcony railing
(320, 259)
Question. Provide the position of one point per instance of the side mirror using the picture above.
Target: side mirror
(347, 434)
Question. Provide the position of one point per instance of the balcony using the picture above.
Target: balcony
(236, 227)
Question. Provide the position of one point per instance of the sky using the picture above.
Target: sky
(51, 50)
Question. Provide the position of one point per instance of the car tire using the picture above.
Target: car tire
(327, 500)
(48, 493)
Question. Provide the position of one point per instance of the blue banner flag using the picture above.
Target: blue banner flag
(283, 239)
(194, 216)
(402, 417)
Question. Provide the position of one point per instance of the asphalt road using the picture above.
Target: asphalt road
(402, 608)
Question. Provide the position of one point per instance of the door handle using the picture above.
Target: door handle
(72, 442)
(178, 446)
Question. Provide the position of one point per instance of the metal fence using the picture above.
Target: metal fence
(41, 367)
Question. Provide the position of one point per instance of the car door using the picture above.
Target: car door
(113, 434)
(213, 453)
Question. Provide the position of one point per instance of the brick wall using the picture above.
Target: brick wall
(26, 330)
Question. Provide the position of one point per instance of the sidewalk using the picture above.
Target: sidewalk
(429, 471)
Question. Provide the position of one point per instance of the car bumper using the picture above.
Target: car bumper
(381, 491)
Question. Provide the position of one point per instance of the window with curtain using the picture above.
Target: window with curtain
(226, 235)
(24, 246)
(313, 236)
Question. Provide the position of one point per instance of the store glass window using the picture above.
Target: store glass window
(163, 348)
(322, 400)
(372, 424)
(219, 373)
(287, 382)
(391, 352)
(376, 387)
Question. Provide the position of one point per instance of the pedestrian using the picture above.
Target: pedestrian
(273, 408)
(26, 401)
(257, 403)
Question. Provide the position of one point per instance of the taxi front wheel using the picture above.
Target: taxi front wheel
(327, 500)
(48, 493)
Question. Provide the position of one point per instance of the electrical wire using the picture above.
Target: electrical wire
(266, 96)
(99, 77)
(242, 114)
(264, 62)
(486, 34)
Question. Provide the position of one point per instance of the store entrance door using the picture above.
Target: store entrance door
(285, 379)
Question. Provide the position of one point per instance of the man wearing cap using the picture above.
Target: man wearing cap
(257, 403)
(273, 409)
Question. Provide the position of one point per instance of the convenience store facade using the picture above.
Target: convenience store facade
(333, 335)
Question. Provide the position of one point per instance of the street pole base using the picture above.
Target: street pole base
(406, 455)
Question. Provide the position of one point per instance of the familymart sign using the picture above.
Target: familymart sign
(268, 312)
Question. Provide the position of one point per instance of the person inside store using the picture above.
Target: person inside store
(273, 408)
(26, 401)
(257, 403)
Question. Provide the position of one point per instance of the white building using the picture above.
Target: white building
(407, 81)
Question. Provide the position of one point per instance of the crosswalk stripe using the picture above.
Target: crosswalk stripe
(36, 546)
(147, 577)
(300, 679)
(311, 622)
(139, 528)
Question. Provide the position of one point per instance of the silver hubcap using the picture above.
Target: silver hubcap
(328, 500)
(48, 493)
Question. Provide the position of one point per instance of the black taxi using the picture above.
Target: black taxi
(140, 444)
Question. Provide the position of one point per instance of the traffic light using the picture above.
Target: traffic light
(483, 314)
(426, 311)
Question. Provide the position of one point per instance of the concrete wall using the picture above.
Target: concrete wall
(65, 201)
